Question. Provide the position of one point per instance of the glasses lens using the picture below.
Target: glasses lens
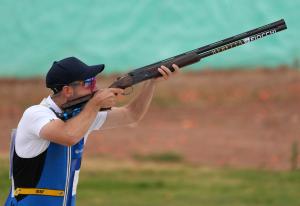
(90, 83)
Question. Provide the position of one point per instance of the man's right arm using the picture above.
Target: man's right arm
(70, 132)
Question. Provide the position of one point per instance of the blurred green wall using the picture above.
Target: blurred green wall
(129, 34)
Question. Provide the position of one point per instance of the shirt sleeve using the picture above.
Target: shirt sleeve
(28, 142)
(37, 117)
(99, 121)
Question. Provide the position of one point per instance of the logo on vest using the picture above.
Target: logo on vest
(38, 191)
(78, 151)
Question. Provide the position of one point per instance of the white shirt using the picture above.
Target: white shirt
(28, 142)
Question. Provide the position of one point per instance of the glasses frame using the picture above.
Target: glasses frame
(89, 83)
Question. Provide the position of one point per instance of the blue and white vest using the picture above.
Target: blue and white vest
(60, 173)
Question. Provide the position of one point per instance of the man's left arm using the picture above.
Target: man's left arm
(133, 112)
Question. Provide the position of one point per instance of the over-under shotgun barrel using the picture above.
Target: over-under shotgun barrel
(193, 56)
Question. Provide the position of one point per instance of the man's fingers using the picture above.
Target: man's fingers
(166, 69)
(163, 73)
(176, 68)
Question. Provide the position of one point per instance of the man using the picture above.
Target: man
(46, 151)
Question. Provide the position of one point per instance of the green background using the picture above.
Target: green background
(128, 34)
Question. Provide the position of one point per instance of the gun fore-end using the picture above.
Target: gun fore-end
(123, 82)
(184, 60)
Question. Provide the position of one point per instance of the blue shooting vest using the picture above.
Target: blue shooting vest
(60, 173)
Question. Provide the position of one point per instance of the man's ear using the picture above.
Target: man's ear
(67, 91)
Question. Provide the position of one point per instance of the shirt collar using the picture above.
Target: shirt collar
(50, 103)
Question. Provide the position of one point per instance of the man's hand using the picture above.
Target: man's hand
(106, 98)
(166, 72)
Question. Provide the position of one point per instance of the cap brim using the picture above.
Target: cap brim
(92, 71)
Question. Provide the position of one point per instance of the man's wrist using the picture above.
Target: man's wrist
(92, 106)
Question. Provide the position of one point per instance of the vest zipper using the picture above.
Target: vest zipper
(68, 177)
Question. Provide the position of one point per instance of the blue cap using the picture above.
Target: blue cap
(69, 70)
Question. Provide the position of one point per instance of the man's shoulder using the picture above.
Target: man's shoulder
(34, 117)
(37, 109)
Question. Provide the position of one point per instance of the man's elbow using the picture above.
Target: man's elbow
(134, 123)
(134, 117)
(69, 142)
(70, 139)
(66, 141)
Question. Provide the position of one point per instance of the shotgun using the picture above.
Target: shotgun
(150, 71)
